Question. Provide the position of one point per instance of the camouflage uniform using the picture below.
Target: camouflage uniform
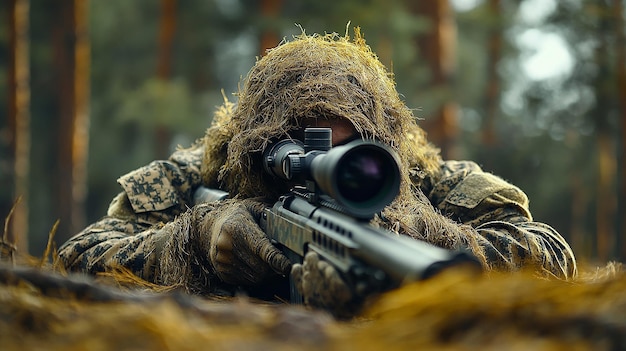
(134, 232)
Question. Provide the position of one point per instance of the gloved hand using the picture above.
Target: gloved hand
(321, 286)
(239, 251)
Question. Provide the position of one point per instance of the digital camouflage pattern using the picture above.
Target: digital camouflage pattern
(152, 226)
(138, 226)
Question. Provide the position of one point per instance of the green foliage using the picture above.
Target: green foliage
(158, 102)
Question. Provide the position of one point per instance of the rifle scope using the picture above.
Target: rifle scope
(363, 177)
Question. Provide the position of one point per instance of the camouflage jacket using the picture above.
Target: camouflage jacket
(134, 231)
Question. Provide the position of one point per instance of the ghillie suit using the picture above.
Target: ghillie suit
(330, 77)
(326, 77)
(149, 227)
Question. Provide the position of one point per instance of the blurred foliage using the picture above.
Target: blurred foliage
(546, 127)
(159, 102)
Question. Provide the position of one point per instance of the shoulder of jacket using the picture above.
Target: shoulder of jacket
(465, 184)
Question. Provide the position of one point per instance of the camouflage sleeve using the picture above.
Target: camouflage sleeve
(117, 239)
(140, 220)
(500, 214)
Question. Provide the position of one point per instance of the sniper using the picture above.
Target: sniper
(154, 228)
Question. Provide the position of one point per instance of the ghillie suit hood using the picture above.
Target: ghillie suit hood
(325, 77)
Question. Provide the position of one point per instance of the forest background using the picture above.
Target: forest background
(532, 90)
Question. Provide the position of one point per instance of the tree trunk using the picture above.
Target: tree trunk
(580, 241)
(438, 47)
(80, 138)
(620, 64)
(605, 209)
(72, 62)
(270, 11)
(492, 96)
(167, 29)
(19, 120)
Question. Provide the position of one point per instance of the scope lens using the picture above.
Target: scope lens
(363, 175)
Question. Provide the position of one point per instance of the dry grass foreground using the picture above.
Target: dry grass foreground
(42, 309)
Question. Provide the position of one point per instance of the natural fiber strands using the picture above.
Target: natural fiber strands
(452, 311)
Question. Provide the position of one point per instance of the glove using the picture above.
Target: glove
(239, 251)
(321, 286)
